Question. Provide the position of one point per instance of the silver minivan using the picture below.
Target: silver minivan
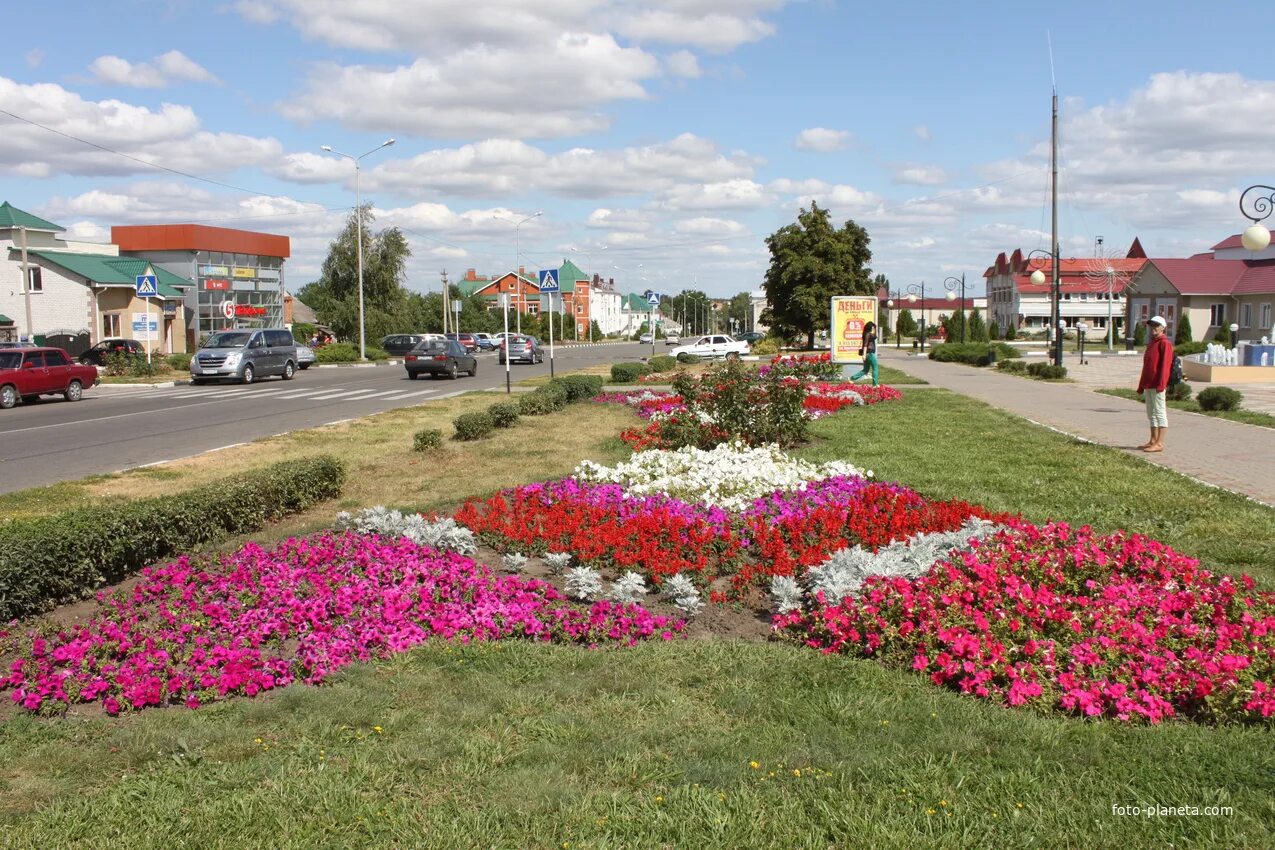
(245, 355)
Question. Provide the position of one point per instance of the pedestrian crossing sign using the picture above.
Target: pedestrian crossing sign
(147, 285)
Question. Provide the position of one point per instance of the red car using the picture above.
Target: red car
(466, 339)
(28, 373)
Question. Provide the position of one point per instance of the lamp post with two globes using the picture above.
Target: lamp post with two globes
(951, 284)
(913, 290)
(1055, 319)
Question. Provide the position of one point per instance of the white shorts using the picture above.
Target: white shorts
(1157, 412)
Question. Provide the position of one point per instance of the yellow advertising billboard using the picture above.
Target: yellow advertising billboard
(850, 315)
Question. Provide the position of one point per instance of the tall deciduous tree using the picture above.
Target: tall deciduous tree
(386, 304)
(810, 262)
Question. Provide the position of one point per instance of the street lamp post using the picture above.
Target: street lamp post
(913, 290)
(1235, 332)
(951, 284)
(1038, 278)
(590, 312)
(1256, 236)
(358, 217)
(518, 259)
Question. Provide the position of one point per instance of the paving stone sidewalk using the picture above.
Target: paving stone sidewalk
(1230, 455)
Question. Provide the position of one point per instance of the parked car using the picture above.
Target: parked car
(486, 342)
(670, 339)
(396, 345)
(244, 356)
(646, 339)
(751, 337)
(713, 345)
(305, 357)
(439, 357)
(521, 349)
(8, 344)
(468, 340)
(28, 373)
(96, 356)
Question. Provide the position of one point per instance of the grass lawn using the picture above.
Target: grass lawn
(1248, 417)
(526, 746)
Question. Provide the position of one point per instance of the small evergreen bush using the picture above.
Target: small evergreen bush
(662, 363)
(578, 387)
(1180, 391)
(1140, 334)
(627, 373)
(472, 426)
(689, 359)
(539, 404)
(766, 346)
(1189, 348)
(1015, 367)
(504, 414)
(427, 440)
(1184, 330)
(1220, 398)
(1011, 332)
(179, 362)
(1047, 371)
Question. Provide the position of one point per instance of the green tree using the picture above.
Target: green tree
(1140, 334)
(335, 295)
(907, 324)
(976, 329)
(1184, 330)
(810, 262)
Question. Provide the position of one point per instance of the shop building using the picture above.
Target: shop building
(237, 275)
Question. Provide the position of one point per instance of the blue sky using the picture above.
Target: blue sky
(677, 134)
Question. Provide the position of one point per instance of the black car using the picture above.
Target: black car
(439, 357)
(96, 356)
(397, 345)
(524, 348)
(751, 337)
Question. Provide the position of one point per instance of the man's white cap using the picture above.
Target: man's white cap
(1158, 320)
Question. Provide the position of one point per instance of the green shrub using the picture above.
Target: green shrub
(427, 440)
(1011, 332)
(579, 387)
(1140, 334)
(993, 331)
(1046, 371)
(303, 332)
(972, 353)
(1178, 392)
(1189, 348)
(1184, 330)
(766, 346)
(546, 399)
(178, 362)
(46, 561)
(627, 373)
(662, 363)
(1220, 398)
(689, 359)
(1015, 367)
(473, 426)
(337, 352)
(504, 414)
(374, 353)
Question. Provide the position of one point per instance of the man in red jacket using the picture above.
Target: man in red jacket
(1157, 363)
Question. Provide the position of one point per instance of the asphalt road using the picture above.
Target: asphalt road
(118, 428)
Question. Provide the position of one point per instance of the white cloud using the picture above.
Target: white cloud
(683, 63)
(822, 140)
(718, 31)
(920, 175)
(704, 226)
(633, 221)
(168, 135)
(741, 194)
(34, 57)
(166, 69)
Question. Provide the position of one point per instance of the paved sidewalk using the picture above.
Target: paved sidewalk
(1230, 455)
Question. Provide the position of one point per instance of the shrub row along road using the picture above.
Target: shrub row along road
(118, 428)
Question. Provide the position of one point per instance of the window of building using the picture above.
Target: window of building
(533, 309)
(1246, 315)
(1266, 317)
(35, 279)
(579, 309)
(1217, 315)
(110, 324)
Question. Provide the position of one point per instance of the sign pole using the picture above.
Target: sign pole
(551, 336)
(505, 299)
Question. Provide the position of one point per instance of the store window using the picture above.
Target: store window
(110, 324)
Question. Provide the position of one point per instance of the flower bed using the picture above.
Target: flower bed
(1068, 619)
(259, 619)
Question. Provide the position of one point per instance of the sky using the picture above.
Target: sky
(660, 142)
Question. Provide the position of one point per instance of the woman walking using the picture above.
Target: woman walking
(868, 351)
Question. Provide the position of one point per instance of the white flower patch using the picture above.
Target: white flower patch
(445, 535)
(630, 587)
(515, 562)
(684, 593)
(730, 476)
(584, 583)
(557, 561)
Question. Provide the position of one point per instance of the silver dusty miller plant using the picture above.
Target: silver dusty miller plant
(844, 573)
(514, 562)
(445, 535)
(557, 561)
(684, 593)
(629, 587)
(584, 583)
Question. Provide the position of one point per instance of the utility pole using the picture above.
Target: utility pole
(446, 292)
(1053, 167)
(26, 285)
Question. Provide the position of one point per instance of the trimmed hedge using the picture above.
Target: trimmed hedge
(662, 363)
(427, 440)
(179, 362)
(972, 353)
(683, 358)
(539, 403)
(627, 373)
(1046, 371)
(473, 426)
(1180, 391)
(504, 414)
(1189, 348)
(46, 561)
(766, 346)
(579, 387)
(1014, 367)
(1220, 398)
(346, 352)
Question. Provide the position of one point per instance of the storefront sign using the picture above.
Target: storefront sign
(242, 310)
(170, 308)
(214, 270)
(216, 284)
(850, 315)
(228, 309)
(240, 272)
(144, 326)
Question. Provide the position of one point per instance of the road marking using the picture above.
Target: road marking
(401, 396)
(341, 394)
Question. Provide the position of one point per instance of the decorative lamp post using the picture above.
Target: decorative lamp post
(358, 218)
(1256, 236)
(1235, 334)
(951, 284)
(1055, 319)
(522, 302)
(913, 290)
(890, 306)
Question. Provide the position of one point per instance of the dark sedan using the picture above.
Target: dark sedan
(96, 356)
(521, 348)
(751, 337)
(396, 345)
(439, 357)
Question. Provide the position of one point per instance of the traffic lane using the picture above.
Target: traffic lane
(189, 423)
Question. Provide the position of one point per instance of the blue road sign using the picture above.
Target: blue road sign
(147, 285)
(549, 280)
(652, 298)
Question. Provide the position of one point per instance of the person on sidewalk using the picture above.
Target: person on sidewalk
(868, 351)
(1157, 363)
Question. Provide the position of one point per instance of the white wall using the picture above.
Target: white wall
(64, 303)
